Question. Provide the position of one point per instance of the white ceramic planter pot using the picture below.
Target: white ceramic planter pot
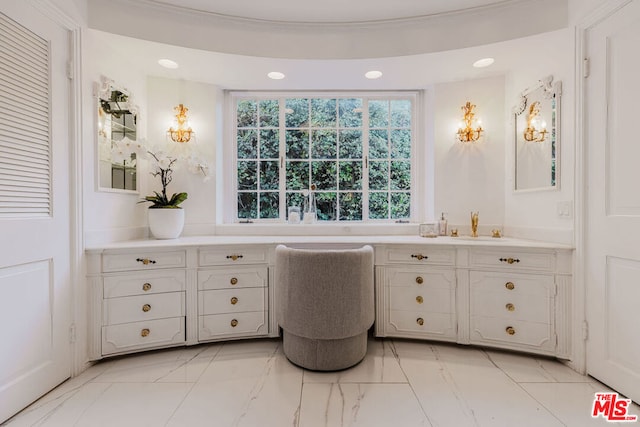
(166, 223)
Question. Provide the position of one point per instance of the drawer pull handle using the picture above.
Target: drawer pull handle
(510, 307)
(234, 257)
(509, 260)
(146, 287)
(420, 321)
(145, 261)
(233, 281)
(234, 323)
(234, 301)
(145, 332)
(146, 308)
(510, 330)
(419, 299)
(510, 286)
(419, 280)
(419, 257)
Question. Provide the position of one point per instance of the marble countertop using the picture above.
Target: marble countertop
(189, 241)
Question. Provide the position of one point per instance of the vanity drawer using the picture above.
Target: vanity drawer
(491, 330)
(512, 306)
(231, 300)
(143, 283)
(142, 307)
(421, 278)
(140, 335)
(532, 285)
(233, 255)
(422, 255)
(427, 300)
(442, 325)
(231, 278)
(232, 324)
(513, 259)
(142, 260)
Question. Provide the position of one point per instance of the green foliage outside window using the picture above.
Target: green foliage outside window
(324, 143)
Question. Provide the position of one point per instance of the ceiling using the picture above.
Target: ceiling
(329, 11)
(243, 72)
(327, 29)
(415, 43)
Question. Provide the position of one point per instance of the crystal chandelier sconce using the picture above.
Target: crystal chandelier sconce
(536, 130)
(466, 131)
(183, 132)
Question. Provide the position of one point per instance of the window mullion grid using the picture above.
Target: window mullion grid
(389, 157)
(337, 160)
(282, 150)
(258, 160)
(365, 159)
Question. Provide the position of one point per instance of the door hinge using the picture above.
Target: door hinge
(72, 333)
(586, 67)
(70, 70)
(585, 330)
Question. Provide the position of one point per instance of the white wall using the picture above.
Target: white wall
(470, 176)
(534, 214)
(203, 101)
(108, 216)
(467, 177)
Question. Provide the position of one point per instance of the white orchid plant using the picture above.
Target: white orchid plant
(163, 165)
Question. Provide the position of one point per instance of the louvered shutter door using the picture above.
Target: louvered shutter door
(25, 153)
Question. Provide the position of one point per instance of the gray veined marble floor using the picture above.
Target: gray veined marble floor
(250, 383)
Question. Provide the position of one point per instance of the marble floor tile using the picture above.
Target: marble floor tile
(63, 411)
(400, 383)
(460, 386)
(259, 390)
(573, 402)
(380, 365)
(366, 405)
(525, 368)
(139, 404)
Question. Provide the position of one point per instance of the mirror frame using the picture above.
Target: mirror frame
(103, 91)
(549, 93)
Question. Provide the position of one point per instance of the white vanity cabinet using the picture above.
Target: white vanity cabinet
(232, 293)
(512, 310)
(519, 299)
(156, 297)
(503, 293)
(490, 295)
(416, 292)
(137, 301)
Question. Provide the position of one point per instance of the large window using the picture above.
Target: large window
(355, 151)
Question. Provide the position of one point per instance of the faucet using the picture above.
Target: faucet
(474, 224)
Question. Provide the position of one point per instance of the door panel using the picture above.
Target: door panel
(35, 296)
(612, 233)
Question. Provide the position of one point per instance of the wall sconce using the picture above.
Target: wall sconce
(183, 132)
(531, 133)
(466, 133)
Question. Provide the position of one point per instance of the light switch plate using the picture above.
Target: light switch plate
(565, 209)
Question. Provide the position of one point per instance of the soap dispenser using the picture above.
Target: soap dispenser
(442, 225)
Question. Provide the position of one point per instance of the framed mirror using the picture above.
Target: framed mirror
(117, 121)
(537, 137)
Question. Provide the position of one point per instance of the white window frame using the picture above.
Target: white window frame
(420, 197)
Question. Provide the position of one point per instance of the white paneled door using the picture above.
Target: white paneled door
(35, 297)
(612, 227)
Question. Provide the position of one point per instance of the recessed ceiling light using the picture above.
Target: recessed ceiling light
(373, 74)
(167, 63)
(276, 75)
(484, 62)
